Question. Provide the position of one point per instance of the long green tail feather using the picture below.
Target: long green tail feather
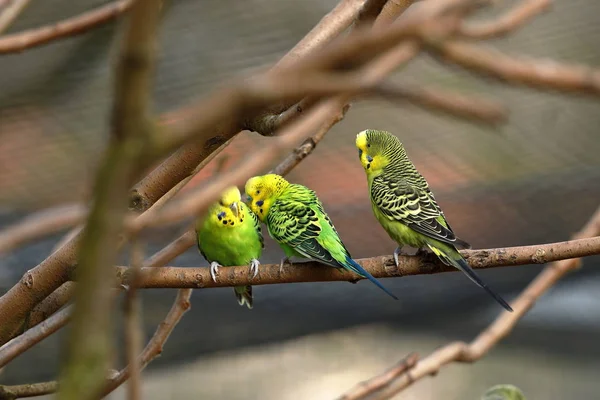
(458, 262)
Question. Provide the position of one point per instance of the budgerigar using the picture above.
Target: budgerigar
(297, 220)
(230, 235)
(404, 205)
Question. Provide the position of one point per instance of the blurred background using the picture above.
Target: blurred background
(533, 180)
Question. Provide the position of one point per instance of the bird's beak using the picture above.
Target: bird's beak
(234, 209)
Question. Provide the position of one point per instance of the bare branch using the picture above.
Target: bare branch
(379, 267)
(40, 224)
(366, 388)
(18, 42)
(541, 74)
(34, 335)
(27, 390)
(518, 16)
(502, 326)
(10, 12)
(155, 345)
(133, 333)
(89, 349)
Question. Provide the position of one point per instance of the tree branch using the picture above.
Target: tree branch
(379, 267)
(518, 16)
(18, 42)
(39, 224)
(89, 346)
(10, 12)
(27, 390)
(502, 326)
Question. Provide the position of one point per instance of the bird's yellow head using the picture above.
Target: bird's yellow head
(376, 149)
(262, 191)
(227, 211)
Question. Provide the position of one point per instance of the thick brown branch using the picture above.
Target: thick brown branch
(73, 26)
(40, 224)
(518, 16)
(27, 390)
(379, 267)
(502, 326)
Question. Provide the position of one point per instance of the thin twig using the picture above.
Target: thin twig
(20, 41)
(379, 267)
(500, 328)
(155, 346)
(133, 333)
(43, 223)
(27, 390)
(366, 388)
(509, 22)
(10, 12)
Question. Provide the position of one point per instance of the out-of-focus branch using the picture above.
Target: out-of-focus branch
(10, 12)
(20, 41)
(541, 74)
(502, 326)
(379, 267)
(34, 335)
(27, 390)
(155, 346)
(507, 23)
(40, 224)
(364, 389)
(89, 347)
(133, 330)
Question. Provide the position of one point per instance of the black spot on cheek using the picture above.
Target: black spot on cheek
(241, 220)
(368, 166)
(261, 210)
(231, 223)
(225, 222)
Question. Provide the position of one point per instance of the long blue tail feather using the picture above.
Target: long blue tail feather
(355, 267)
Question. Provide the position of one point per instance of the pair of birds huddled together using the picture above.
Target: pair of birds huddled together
(230, 234)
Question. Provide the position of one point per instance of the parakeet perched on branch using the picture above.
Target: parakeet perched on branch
(230, 235)
(404, 205)
(297, 220)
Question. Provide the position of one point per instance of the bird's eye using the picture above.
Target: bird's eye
(368, 145)
(258, 192)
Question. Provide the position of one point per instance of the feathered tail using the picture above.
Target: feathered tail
(452, 257)
(355, 267)
(244, 295)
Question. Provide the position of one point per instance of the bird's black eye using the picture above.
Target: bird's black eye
(258, 192)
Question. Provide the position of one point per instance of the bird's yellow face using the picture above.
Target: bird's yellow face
(262, 191)
(228, 210)
(370, 156)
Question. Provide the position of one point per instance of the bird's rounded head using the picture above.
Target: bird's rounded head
(375, 148)
(262, 191)
(230, 199)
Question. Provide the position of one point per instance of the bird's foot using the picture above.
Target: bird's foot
(214, 270)
(397, 253)
(254, 264)
(284, 260)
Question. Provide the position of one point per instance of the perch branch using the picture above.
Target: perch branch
(379, 267)
(20, 41)
(502, 326)
(509, 22)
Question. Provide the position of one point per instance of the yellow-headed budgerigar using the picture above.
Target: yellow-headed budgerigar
(297, 220)
(230, 235)
(404, 205)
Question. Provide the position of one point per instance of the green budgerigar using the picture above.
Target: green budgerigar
(297, 220)
(230, 235)
(404, 205)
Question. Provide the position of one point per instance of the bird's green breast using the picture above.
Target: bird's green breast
(230, 245)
